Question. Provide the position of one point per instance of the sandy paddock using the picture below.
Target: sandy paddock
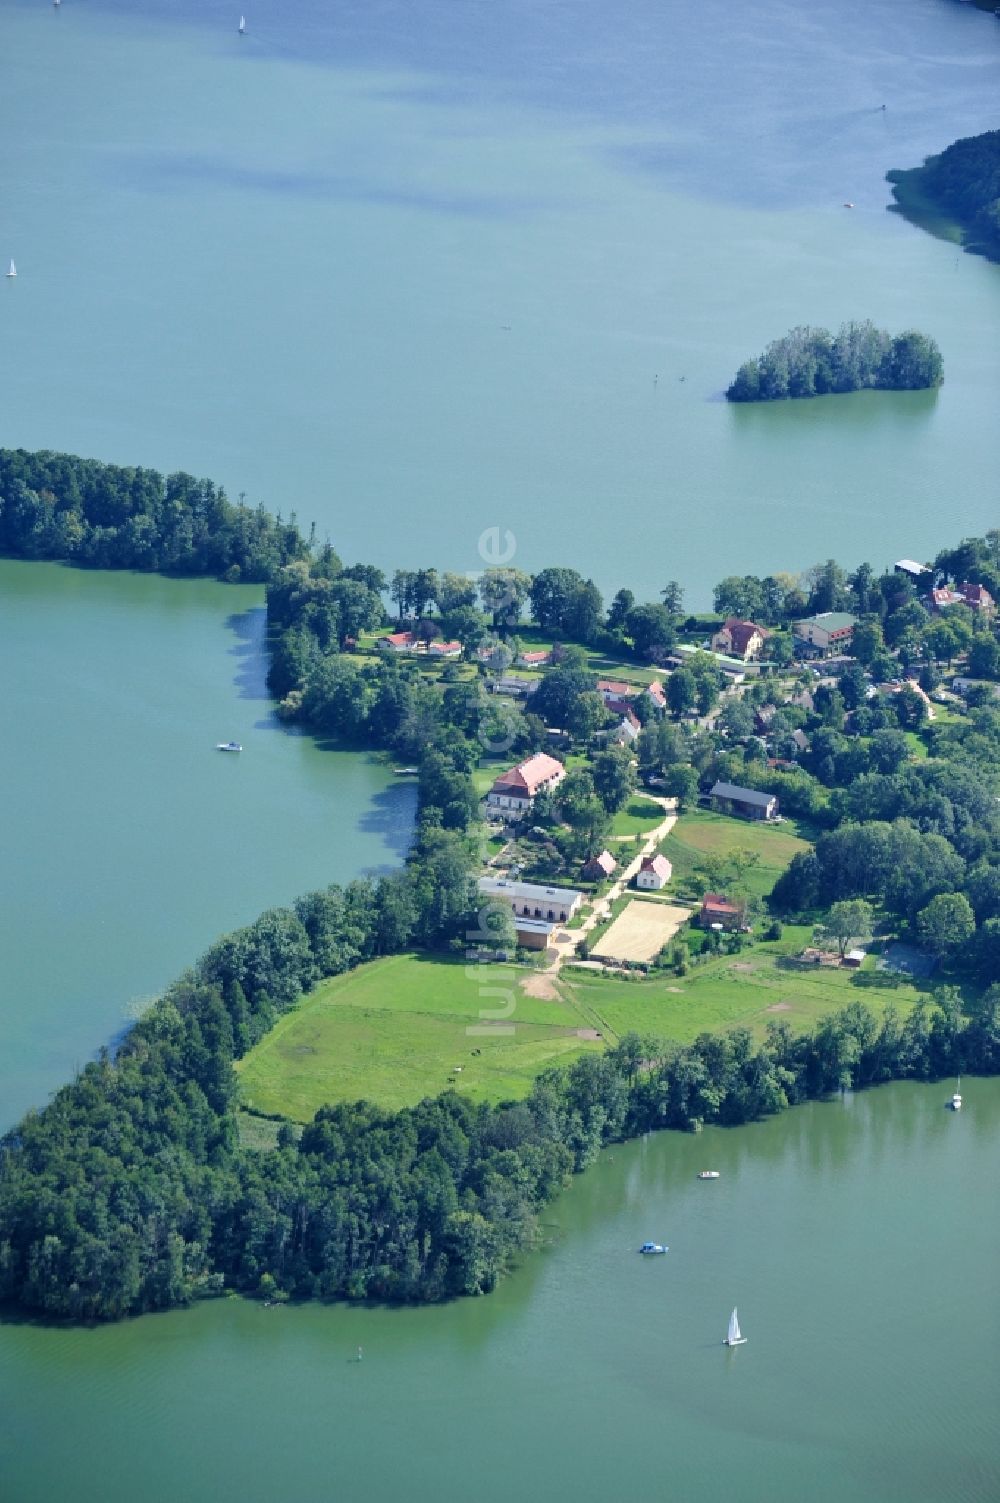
(641, 930)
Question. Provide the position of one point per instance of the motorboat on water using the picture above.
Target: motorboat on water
(652, 1247)
(230, 746)
(956, 1100)
(708, 1173)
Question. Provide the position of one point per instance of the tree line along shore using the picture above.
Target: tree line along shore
(962, 185)
(131, 1190)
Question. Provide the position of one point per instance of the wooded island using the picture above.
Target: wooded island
(814, 363)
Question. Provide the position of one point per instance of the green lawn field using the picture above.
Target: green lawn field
(639, 816)
(762, 983)
(393, 1032)
(701, 832)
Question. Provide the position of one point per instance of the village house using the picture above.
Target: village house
(628, 731)
(535, 659)
(537, 909)
(740, 639)
(399, 641)
(825, 634)
(514, 792)
(599, 868)
(657, 695)
(978, 598)
(616, 695)
(517, 687)
(442, 649)
(717, 912)
(654, 873)
(748, 803)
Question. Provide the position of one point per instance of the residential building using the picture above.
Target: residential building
(614, 692)
(717, 912)
(825, 634)
(628, 731)
(399, 641)
(748, 803)
(740, 639)
(599, 868)
(514, 792)
(536, 659)
(441, 649)
(978, 598)
(517, 687)
(656, 693)
(654, 873)
(910, 568)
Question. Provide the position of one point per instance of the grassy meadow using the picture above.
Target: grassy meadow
(394, 1030)
(702, 833)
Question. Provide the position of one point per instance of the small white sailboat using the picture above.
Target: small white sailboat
(734, 1336)
(12, 270)
(242, 26)
(956, 1100)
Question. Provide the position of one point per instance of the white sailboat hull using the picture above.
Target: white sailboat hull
(736, 1341)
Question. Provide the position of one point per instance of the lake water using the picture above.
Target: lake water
(290, 260)
(860, 1239)
(127, 842)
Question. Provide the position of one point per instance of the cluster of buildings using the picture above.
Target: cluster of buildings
(412, 642)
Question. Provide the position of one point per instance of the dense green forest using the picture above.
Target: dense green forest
(105, 516)
(963, 182)
(130, 1190)
(814, 363)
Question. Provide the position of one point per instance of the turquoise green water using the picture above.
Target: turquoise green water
(288, 261)
(128, 842)
(860, 1239)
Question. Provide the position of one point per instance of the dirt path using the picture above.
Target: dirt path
(564, 943)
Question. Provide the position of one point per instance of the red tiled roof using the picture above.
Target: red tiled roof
(613, 686)
(713, 902)
(530, 775)
(401, 639)
(658, 864)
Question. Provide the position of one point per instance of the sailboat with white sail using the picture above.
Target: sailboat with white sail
(734, 1336)
(12, 270)
(242, 26)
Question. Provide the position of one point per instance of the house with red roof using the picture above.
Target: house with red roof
(612, 690)
(978, 598)
(656, 693)
(740, 639)
(717, 912)
(400, 641)
(599, 868)
(654, 872)
(535, 659)
(514, 792)
(442, 649)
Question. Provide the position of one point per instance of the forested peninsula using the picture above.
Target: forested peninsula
(962, 184)
(814, 363)
(131, 1191)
